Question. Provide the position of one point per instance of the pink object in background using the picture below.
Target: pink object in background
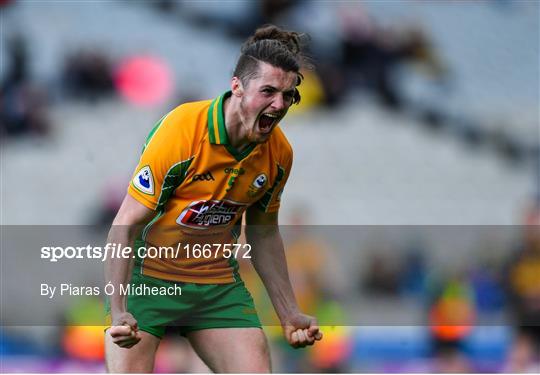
(144, 80)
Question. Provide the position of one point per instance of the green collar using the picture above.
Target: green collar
(217, 132)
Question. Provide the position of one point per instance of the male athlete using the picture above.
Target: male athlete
(203, 166)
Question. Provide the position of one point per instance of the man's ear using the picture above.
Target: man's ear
(236, 87)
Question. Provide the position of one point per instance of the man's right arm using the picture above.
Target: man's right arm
(129, 221)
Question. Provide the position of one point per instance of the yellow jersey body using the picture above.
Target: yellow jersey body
(200, 186)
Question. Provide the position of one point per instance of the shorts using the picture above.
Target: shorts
(200, 306)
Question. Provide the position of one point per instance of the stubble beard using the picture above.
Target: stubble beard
(247, 128)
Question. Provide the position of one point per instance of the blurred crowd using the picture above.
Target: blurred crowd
(23, 104)
(361, 56)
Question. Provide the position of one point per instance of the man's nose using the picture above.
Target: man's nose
(279, 103)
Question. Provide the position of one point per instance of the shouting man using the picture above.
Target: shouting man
(203, 166)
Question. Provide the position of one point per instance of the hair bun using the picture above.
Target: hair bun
(290, 39)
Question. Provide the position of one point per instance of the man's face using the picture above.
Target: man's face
(265, 99)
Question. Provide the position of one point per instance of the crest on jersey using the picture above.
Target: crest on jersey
(144, 181)
(259, 181)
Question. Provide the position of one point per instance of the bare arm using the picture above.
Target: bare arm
(268, 258)
(129, 221)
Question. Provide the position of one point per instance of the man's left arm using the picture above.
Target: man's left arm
(268, 258)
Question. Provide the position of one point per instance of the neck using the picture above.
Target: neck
(236, 130)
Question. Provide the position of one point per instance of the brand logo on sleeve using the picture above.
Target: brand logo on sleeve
(144, 181)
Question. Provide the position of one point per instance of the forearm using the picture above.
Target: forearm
(271, 265)
(118, 269)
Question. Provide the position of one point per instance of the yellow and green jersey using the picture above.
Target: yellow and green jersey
(200, 186)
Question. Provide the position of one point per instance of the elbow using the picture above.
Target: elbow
(261, 232)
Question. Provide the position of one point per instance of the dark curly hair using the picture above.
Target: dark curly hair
(272, 45)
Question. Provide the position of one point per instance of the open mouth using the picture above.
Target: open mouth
(267, 121)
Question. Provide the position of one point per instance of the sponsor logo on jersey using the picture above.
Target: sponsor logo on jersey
(144, 181)
(203, 177)
(209, 213)
(235, 171)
